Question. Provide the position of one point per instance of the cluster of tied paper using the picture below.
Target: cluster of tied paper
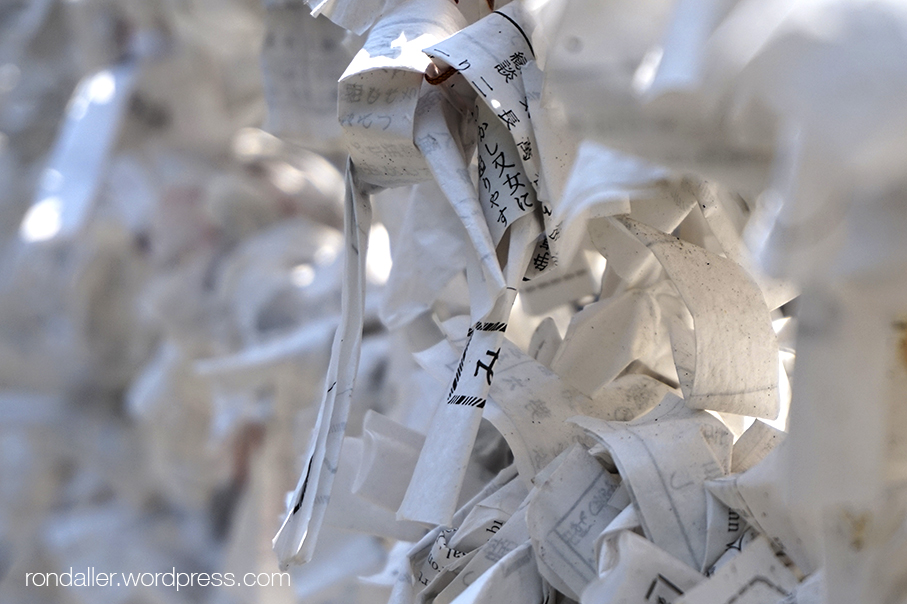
(597, 435)
(612, 227)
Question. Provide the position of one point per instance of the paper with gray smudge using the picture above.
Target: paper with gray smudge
(736, 359)
(756, 576)
(758, 495)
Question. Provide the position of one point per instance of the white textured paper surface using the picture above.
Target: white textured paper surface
(736, 358)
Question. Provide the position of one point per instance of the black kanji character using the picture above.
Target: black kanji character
(526, 148)
(540, 261)
(513, 181)
(509, 118)
(506, 69)
(519, 59)
(500, 162)
(489, 368)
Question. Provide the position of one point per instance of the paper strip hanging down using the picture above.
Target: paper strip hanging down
(491, 55)
(433, 492)
(69, 183)
(736, 352)
(443, 150)
(295, 541)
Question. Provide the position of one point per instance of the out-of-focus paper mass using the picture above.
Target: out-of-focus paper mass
(456, 302)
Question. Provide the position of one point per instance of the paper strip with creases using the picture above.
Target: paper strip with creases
(564, 527)
(388, 458)
(419, 553)
(758, 495)
(776, 291)
(438, 476)
(429, 252)
(736, 367)
(443, 150)
(756, 576)
(295, 541)
(352, 513)
(642, 573)
(514, 579)
(758, 441)
(507, 538)
(665, 463)
(601, 183)
(490, 55)
(546, 340)
(620, 329)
